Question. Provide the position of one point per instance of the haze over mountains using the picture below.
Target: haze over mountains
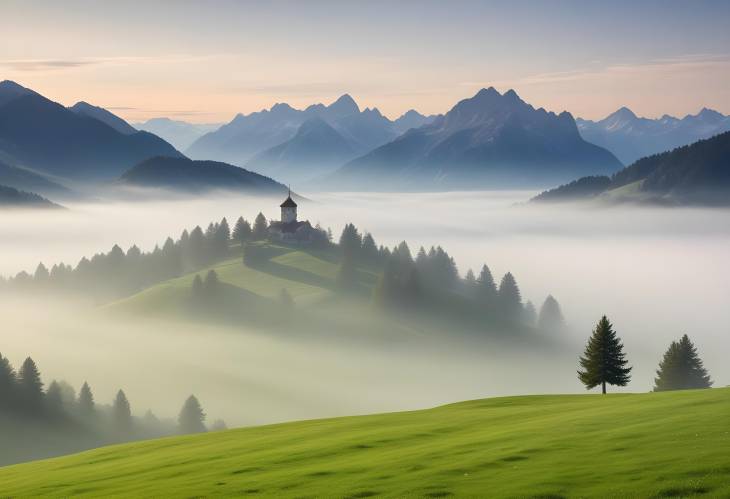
(489, 140)
(250, 137)
(630, 137)
(697, 174)
(45, 136)
(180, 134)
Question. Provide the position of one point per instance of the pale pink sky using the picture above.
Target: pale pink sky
(207, 61)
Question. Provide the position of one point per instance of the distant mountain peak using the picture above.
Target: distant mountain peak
(623, 113)
(281, 107)
(710, 114)
(345, 104)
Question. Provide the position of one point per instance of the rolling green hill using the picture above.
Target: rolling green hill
(630, 445)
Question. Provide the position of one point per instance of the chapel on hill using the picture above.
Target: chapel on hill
(290, 230)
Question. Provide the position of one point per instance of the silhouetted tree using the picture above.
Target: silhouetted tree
(510, 300)
(681, 368)
(30, 386)
(604, 361)
(222, 238)
(86, 408)
(369, 249)
(211, 284)
(7, 384)
(196, 249)
(486, 291)
(192, 417)
(350, 242)
(551, 317)
(260, 228)
(121, 415)
(241, 231)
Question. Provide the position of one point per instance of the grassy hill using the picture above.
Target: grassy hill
(629, 445)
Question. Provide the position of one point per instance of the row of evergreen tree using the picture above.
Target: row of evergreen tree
(405, 281)
(22, 396)
(604, 363)
(119, 273)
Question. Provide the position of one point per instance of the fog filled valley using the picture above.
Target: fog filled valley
(657, 273)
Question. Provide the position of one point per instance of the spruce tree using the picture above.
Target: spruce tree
(486, 290)
(30, 386)
(192, 417)
(197, 288)
(509, 298)
(211, 284)
(8, 383)
(121, 416)
(681, 368)
(53, 400)
(604, 361)
(86, 403)
(260, 228)
(218, 425)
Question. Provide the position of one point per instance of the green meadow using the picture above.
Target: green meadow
(623, 445)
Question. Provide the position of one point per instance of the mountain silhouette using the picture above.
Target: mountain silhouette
(630, 137)
(101, 114)
(487, 141)
(45, 136)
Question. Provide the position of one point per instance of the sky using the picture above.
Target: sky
(206, 61)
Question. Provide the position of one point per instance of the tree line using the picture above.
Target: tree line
(23, 398)
(405, 282)
(604, 363)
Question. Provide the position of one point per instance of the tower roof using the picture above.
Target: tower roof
(289, 203)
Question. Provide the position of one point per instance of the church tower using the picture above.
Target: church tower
(288, 210)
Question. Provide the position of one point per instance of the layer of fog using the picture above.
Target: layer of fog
(656, 272)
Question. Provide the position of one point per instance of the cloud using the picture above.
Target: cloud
(45, 64)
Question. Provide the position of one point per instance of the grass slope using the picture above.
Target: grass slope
(643, 445)
(308, 276)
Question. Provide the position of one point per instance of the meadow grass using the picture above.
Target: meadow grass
(624, 445)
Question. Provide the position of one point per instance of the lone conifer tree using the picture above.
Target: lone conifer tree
(681, 368)
(510, 300)
(191, 416)
(604, 360)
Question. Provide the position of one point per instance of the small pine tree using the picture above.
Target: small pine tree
(260, 228)
(211, 285)
(197, 287)
(681, 368)
(218, 425)
(30, 386)
(86, 403)
(486, 290)
(121, 416)
(192, 417)
(604, 361)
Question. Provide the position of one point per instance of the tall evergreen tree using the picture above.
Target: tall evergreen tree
(350, 242)
(8, 383)
(121, 415)
(30, 386)
(486, 290)
(86, 406)
(551, 317)
(211, 284)
(604, 361)
(260, 228)
(369, 248)
(681, 368)
(510, 300)
(192, 417)
(222, 239)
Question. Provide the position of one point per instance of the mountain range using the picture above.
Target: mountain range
(26, 180)
(180, 134)
(490, 140)
(251, 137)
(11, 197)
(78, 143)
(697, 174)
(630, 137)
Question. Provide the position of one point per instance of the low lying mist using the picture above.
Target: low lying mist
(656, 272)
